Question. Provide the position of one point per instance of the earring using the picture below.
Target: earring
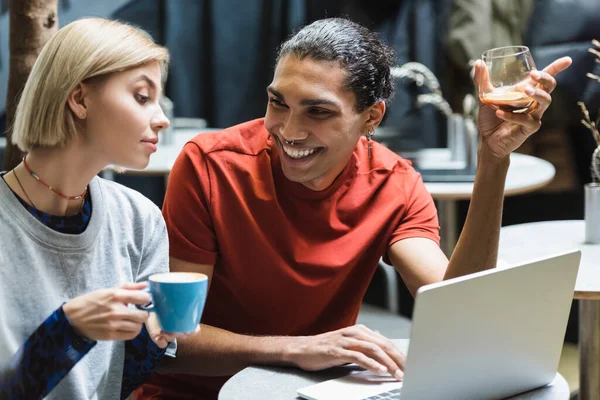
(369, 135)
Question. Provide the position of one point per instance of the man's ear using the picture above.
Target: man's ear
(374, 115)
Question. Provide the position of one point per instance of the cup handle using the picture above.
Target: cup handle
(148, 306)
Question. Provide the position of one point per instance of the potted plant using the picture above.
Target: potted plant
(592, 190)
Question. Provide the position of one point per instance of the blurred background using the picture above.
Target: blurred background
(223, 54)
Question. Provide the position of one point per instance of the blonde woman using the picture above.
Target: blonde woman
(75, 247)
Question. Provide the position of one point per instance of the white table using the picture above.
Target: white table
(519, 243)
(162, 161)
(258, 383)
(526, 174)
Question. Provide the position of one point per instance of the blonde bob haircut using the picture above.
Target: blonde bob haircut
(84, 49)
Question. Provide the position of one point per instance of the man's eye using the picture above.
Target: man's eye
(276, 102)
(319, 112)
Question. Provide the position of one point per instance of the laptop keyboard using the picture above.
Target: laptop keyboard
(391, 395)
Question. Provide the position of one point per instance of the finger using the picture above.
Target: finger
(132, 314)
(541, 96)
(558, 66)
(544, 79)
(349, 356)
(134, 285)
(528, 123)
(482, 77)
(169, 337)
(152, 325)
(123, 335)
(132, 296)
(161, 341)
(374, 351)
(392, 350)
(127, 326)
(387, 346)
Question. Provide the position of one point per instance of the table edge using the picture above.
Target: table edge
(586, 295)
(578, 294)
(510, 192)
(507, 193)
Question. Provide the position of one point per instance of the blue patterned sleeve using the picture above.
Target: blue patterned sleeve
(43, 360)
(142, 356)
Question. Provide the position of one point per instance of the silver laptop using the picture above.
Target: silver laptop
(488, 335)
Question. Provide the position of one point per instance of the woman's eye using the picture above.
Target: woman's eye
(141, 98)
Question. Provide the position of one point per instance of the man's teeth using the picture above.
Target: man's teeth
(298, 153)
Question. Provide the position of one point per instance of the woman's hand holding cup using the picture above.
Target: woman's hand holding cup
(104, 315)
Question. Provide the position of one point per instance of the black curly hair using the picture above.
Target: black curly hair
(366, 60)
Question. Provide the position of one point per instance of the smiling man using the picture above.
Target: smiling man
(290, 214)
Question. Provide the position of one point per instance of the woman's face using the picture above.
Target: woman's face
(309, 105)
(123, 117)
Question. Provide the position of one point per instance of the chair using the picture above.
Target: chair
(386, 321)
(391, 286)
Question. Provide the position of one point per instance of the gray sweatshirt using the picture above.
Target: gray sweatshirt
(125, 241)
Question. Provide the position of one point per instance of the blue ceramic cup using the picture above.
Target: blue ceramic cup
(178, 300)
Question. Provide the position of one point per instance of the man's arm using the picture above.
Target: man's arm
(477, 247)
(217, 352)
(420, 261)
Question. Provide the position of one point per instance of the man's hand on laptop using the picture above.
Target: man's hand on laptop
(356, 344)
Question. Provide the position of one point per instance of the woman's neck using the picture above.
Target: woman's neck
(68, 170)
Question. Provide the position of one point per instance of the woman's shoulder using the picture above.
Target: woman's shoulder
(137, 224)
(125, 204)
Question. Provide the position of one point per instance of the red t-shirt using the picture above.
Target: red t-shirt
(288, 260)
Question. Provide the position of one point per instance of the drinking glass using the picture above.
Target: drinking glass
(508, 74)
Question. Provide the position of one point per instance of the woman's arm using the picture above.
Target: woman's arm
(142, 356)
(44, 359)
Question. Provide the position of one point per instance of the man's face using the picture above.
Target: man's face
(309, 106)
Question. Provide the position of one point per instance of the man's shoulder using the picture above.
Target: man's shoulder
(248, 138)
(384, 159)
(386, 170)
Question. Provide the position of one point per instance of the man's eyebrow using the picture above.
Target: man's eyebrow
(305, 102)
(318, 102)
(272, 90)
